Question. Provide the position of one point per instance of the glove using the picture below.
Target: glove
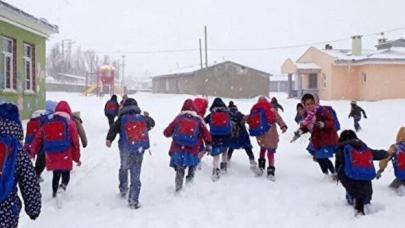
(365, 117)
(297, 134)
(145, 113)
(108, 143)
(320, 124)
(79, 163)
(33, 217)
(283, 129)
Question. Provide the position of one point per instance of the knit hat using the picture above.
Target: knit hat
(10, 123)
(130, 102)
(63, 106)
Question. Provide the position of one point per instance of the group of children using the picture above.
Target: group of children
(52, 136)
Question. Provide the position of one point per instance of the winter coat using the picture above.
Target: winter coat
(356, 188)
(263, 104)
(25, 178)
(188, 111)
(393, 149)
(356, 112)
(79, 125)
(201, 105)
(218, 140)
(326, 136)
(61, 160)
(115, 102)
(128, 108)
(240, 136)
(270, 139)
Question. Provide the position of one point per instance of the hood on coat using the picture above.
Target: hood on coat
(401, 135)
(10, 123)
(130, 102)
(50, 106)
(63, 107)
(217, 103)
(188, 105)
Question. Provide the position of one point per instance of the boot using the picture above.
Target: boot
(270, 173)
(262, 165)
(216, 174)
(223, 166)
(359, 206)
(179, 178)
(190, 175)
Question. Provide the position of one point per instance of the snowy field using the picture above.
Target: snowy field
(300, 197)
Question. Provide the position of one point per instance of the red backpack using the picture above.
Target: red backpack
(187, 131)
(134, 132)
(56, 135)
(33, 126)
(111, 108)
(220, 123)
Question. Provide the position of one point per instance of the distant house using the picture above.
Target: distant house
(354, 74)
(22, 58)
(227, 79)
(279, 83)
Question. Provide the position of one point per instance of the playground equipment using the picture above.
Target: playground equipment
(104, 82)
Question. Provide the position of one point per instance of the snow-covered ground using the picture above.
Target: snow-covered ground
(300, 197)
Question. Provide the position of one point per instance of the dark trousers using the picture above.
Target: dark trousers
(57, 176)
(356, 123)
(110, 120)
(248, 150)
(40, 163)
(326, 165)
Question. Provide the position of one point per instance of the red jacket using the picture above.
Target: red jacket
(326, 136)
(205, 136)
(263, 104)
(61, 160)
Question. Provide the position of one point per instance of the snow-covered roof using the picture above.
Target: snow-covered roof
(26, 21)
(274, 78)
(345, 55)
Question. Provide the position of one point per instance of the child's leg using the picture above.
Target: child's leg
(270, 157)
(230, 151)
(179, 177)
(330, 166)
(356, 124)
(123, 172)
(191, 172)
(249, 153)
(262, 160)
(215, 162)
(65, 179)
(55, 182)
(225, 155)
(135, 171)
(40, 163)
(323, 164)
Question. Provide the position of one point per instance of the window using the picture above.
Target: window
(363, 77)
(313, 81)
(324, 80)
(8, 64)
(29, 67)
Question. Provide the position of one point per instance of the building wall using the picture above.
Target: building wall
(224, 80)
(26, 102)
(324, 61)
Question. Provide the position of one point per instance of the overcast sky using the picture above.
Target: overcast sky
(130, 26)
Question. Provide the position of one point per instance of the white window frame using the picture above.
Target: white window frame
(28, 59)
(7, 54)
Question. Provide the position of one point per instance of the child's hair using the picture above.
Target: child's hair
(306, 97)
(300, 105)
(347, 135)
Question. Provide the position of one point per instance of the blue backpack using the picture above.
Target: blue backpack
(359, 163)
(8, 155)
(398, 162)
(56, 135)
(134, 132)
(258, 123)
(334, 115)
(220, 123)
(187, 131)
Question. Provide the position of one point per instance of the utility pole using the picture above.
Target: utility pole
(123, 73)
(206, 46)
(201, 57)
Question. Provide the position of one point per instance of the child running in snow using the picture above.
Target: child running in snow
(60, 140)
(111, 109)
(219, 121)
(201, 105)
(397, 156)
(33, 126)
(240, 136)
(133, 128)
(15, 169)
(268, 139)
(319, 121)
(188, 131)
(356, 112)
(355, 169)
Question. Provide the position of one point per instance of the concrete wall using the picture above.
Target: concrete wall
(26, 101)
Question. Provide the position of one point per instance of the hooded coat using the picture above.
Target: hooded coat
(187, 111)
(240, 136)
(218, 140)
(24, 174)
(113, 101)
(61, 160)
(356, 188)
(201, 105)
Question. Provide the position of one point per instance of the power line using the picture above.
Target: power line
(251, 49)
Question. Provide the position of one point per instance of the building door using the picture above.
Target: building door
(312, 81)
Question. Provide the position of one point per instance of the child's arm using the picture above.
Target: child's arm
(384, 162)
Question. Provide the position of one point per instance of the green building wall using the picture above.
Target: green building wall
(27, 102)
